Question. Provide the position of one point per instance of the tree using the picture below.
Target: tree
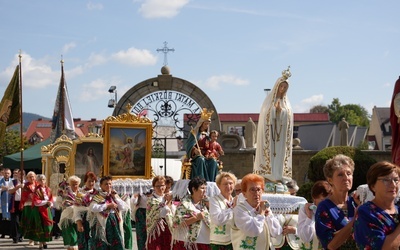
(335, 110)
(319, 109)
(354, 114)
(12, 143)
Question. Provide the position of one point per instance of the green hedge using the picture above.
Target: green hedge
(305, 191)
(361, 160)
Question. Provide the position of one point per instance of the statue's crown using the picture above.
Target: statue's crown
(205, 115)
(286, 73)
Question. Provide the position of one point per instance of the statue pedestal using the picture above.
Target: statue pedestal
(280, 200)
(275, 188)
(284, 203)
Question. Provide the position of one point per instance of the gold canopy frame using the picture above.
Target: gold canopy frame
(127, 146)
(87, 155)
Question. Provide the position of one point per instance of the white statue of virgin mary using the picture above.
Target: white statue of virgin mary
(275, 134)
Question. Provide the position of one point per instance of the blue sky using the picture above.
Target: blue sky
(231, 49)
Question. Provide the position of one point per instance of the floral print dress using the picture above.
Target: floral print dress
(372, 225)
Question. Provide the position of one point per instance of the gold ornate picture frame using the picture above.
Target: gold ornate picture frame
(87, 155)
(127, 146)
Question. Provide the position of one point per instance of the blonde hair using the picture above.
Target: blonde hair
(222, 175)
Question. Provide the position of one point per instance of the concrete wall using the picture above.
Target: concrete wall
(241, 162)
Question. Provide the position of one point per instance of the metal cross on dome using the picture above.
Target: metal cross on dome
(165, 50)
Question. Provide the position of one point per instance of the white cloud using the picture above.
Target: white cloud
(96, 59)
(135, 57)
(94, 6)
(35, 73)
(67, 47)
(94, 90)
(161, 8)
(306, 104)
(70, 73)
(215, 82)
(313, 100)
(38, 73)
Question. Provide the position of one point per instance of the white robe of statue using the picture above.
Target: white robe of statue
(273, 158)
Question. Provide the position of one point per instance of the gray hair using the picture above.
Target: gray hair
(74, 178)
(40, 177)
(292, 184)
(31, 173)
(337, 162)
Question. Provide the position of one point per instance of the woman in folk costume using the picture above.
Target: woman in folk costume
(28, 230)
(106, 222)
(158, 207)
(221, 212)
(81, 212)
(275, 134)
(139, 207)
(288, 237)
(43, 201)
(192, 219)
(254, 222)
(71, 198)
(201, 166)
(127, 222)
(306, 224)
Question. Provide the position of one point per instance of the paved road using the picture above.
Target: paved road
(7, 244)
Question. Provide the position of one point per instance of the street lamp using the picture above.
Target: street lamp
(267, 91)
(113, 101)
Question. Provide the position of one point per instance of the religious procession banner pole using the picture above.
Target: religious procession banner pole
(21, 118)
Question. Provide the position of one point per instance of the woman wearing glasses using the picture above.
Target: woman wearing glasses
(253, 220)
(376, 225)
(334, 217)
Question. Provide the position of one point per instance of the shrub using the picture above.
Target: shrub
(305, 191)
(362, 162)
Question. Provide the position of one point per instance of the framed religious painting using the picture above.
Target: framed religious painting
(87, 155)
(127, 146)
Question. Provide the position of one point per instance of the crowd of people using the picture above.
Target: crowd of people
(238, 217)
